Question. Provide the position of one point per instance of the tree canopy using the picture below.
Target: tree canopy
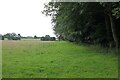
(12, 36)
(95, 23)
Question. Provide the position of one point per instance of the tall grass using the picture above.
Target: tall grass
(99, 48)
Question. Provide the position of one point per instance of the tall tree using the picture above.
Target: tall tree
(85, 22)
(108, 11)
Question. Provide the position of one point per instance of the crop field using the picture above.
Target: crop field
(54, 59)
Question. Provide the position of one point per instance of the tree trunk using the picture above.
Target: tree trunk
(114, 32)
(108, 29)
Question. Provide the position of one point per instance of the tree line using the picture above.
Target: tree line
(14, 36)
(86, 22)
(47, 38)
(11, 36)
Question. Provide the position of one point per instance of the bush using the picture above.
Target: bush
(16, 38)
(52, 38)
(42, 38)
(47, 38)
(2, 37)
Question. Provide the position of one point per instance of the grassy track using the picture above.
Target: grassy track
(36, 59)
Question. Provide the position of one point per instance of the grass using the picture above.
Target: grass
(37, 59)
(0, 59)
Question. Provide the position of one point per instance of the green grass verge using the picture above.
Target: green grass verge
(36, 59)
(0, 59)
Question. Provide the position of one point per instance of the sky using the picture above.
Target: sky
(24, 17)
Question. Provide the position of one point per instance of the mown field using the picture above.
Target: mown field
(37, 59)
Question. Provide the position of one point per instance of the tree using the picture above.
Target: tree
(35, 37)
(108, 11)
(2, 37)
(19, 36)
(42, 38)
(47, 37)
(52, 38)
(92, 23)
(8, 35)
(12, 36)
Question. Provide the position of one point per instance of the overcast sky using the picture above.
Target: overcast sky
(24, 17)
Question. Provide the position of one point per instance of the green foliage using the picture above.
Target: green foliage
(2, 37)
(47, 38)
(82, 22)
(12, 36)
(35, 37)
(52, 38)
(116, 10)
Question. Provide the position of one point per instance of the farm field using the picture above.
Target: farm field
(37, 59)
